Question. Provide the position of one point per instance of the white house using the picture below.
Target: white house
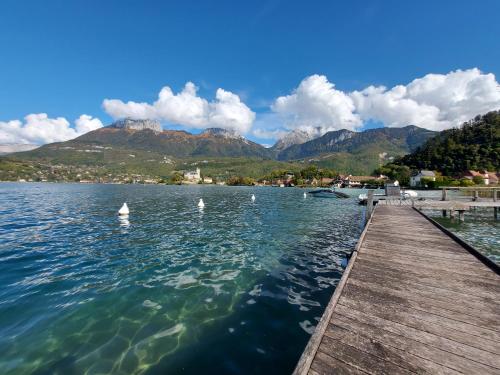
(416, 180)
(193, 176)
(357, 181)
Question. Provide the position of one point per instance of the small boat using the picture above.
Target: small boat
(363, 198)
(328, 193)
(407, 194)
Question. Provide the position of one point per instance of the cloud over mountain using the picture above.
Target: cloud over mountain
(188, 109)
(40, 129)
(314, 107)
(435, 101)
(317, 103)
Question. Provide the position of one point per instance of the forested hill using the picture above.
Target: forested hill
(473, 146)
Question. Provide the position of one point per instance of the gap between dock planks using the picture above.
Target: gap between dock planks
(412, 299)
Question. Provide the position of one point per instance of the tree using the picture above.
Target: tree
(478, 180)
(176, 178)
(309, 172)
(475, 145)
(466, 182)
(240, 181)
(396, 172)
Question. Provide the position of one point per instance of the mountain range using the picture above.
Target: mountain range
(139, 135)
(142, 145)
(10, 148)
(295, 137)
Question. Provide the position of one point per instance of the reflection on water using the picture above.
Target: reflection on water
(237, 286)
(124, 222)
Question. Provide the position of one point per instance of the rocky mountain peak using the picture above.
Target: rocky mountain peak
(219, 132)
(340, 136)
(296, 137)
(129, 123)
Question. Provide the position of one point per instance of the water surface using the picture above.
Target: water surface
(480, 229)
(234, 288)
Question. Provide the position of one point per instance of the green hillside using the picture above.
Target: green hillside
(136, 149)
(473, 146)
(358, 152)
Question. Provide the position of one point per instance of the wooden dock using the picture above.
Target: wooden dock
(411, 300)
(479, 197)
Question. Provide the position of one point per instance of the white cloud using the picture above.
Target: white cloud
(435, 101)
(316, 103)
(269, 134)
(186, 108)
(269, 126)
(86, 123)
(40, 129)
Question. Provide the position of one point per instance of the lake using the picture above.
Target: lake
(237, 287)
(480, 229)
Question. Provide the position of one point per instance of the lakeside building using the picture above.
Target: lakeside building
(193, 176)
(493, 178)
(357, 181)
(208, 180)
(489, 178)
(416, 180)
(287, 179)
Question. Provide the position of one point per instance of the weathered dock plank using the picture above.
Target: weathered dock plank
(412, 300)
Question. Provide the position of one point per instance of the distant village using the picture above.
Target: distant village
(421, 179)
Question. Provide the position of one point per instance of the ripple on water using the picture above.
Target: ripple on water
(171, 287)
(480, 229)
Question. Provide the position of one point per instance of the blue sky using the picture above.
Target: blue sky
(64, 58)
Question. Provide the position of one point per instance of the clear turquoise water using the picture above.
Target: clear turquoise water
(235, 288)
(480, 229)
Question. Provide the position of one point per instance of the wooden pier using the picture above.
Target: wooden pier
(412, 300)
(478, 197)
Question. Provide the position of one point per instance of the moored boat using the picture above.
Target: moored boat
(328, 193)
(407, 194)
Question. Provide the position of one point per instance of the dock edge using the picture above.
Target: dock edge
(312, 346)
(476, 253)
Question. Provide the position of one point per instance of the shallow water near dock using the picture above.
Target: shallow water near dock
(479, 229)
(234, 288)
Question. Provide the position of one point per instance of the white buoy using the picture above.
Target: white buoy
(124, 210)
(305, 195)
(201, 204)
(253, 198)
